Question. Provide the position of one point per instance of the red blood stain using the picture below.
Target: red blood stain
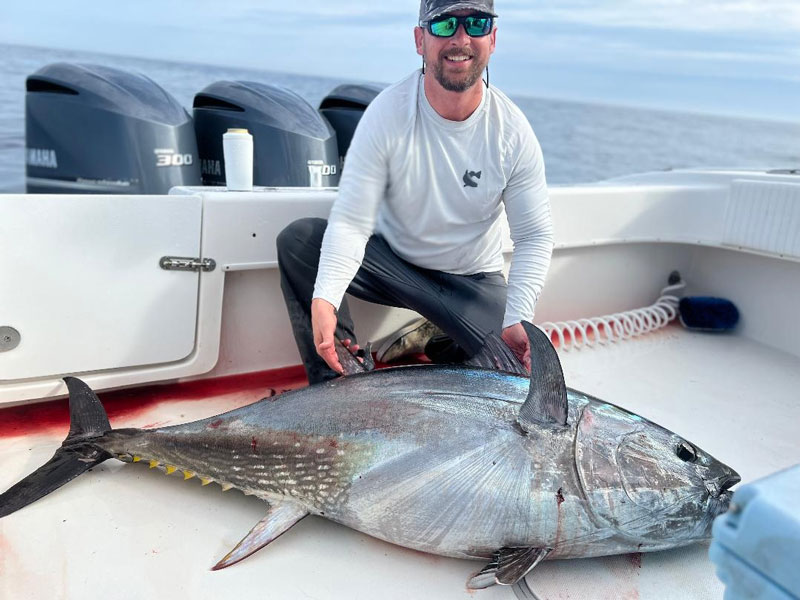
(52, 417)
(333, 443)
(215, 424)
(626, 578)
(155, 425)
(254, 445)
(636, 559)
(560, 497)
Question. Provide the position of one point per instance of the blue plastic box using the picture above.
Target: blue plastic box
(756, 545)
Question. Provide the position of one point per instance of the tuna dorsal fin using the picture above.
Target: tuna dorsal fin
(508, 567)
(547, 396)
(496, 355)
(350, 360)
(278, 521)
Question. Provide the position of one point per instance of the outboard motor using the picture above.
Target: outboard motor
(97, 130)
(343, 108)
(293, 146)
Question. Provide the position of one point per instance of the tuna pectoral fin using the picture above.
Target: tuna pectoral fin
(279, 519)
(508, 567)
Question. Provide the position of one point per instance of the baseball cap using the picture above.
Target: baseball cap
(429, 9)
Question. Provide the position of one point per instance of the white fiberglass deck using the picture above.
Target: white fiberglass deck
(123, 531)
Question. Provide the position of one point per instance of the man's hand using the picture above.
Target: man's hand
(323, 324)
(516, 339)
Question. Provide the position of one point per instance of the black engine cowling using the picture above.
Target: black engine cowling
(96, 129)
(293, 145)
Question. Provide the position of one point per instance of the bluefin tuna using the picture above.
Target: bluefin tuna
(460, 461)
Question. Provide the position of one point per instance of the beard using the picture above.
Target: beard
(462, 81)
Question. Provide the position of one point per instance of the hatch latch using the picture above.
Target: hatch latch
(180, 263)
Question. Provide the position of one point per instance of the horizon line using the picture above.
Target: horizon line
(521, 95)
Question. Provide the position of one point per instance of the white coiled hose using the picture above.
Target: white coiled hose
(613, 328)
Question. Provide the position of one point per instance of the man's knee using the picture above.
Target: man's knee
(299, 235)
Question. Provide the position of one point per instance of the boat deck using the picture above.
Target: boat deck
(122, 531)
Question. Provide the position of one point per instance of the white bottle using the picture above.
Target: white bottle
(237, 147)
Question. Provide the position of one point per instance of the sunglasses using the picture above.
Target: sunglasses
(447, 25)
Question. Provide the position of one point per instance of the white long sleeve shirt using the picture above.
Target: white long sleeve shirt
(435, 189)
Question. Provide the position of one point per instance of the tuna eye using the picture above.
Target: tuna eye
(686, 452)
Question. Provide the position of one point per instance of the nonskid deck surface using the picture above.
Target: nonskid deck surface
(125, 531)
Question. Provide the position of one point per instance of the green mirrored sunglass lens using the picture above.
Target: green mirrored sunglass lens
(477, 26)
(444, 28)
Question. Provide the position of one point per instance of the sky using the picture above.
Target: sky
(733, 57)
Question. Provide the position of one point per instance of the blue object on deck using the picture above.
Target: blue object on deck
(756, 544)
(704, 313)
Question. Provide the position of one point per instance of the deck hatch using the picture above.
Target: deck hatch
(81, 282)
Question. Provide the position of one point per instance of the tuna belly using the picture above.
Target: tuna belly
(459, 501)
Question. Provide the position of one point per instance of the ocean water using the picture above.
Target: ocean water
(581, 142)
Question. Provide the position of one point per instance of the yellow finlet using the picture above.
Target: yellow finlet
(136, 458)
(226, 486)
(188, 475)
(205, 480)
(153, 464)
(171, 469)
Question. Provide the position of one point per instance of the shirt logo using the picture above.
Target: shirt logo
(469, 178)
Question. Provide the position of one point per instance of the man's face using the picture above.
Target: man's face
(456, 62)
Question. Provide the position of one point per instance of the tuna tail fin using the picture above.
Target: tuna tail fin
(78, 454)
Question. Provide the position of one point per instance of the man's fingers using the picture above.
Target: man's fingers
(526, 357)
(328, 354)
(347, 344)
(352, 348)
(327, 351)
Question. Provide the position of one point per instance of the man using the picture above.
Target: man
(434, 160)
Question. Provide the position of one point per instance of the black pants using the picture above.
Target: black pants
(466, 307)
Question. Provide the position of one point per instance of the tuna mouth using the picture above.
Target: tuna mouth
(720, 485)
